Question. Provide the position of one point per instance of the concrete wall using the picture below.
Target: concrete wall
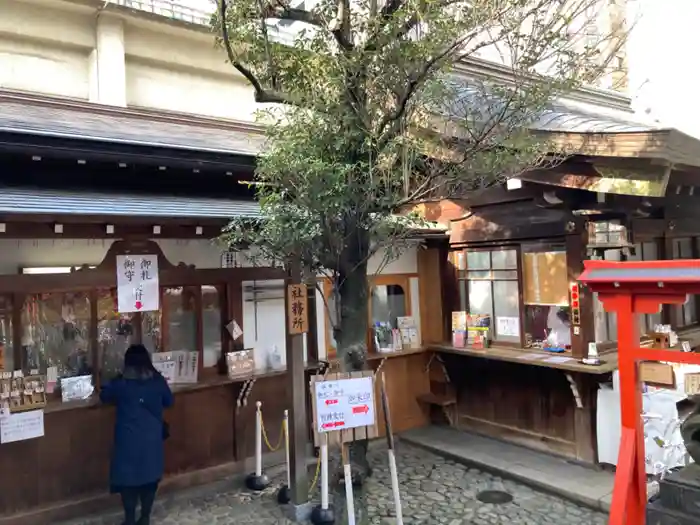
(117, 57)
(111, 55)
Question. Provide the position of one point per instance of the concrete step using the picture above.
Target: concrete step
(680, 491)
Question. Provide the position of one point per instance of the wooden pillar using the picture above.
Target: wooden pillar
(430, 287)
(575, 255)
(298, 430)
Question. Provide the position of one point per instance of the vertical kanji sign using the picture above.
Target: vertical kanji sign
(137, 283)
(297, 311)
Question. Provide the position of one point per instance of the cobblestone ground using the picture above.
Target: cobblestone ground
(434, 491)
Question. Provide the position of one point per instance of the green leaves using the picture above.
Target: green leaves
(379, 112)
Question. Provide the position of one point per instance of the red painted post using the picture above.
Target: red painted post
(630, 289)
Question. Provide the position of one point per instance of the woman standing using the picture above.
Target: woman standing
(140, 394)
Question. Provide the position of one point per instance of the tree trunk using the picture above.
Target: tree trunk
(351, 340)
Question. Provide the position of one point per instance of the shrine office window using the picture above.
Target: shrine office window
(605, 323)
(683, 315)
(488, 284)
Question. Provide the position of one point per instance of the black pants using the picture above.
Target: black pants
(131, 496)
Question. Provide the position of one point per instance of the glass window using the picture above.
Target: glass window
(177, 324)
(55, 332)
(7, 356)
(331, 319)
(605, 323)
(211, 325)
(115, 332)
(491, 286)
(684, 314)
(388, 303)
(646, 251)
(546, 296)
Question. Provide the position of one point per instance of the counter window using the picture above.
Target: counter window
(115, 332)
(6, 347)
(490, 286)
(211, 325)
(605, 323)
(388, 303)
(683, 315)
(546, 296)
(56, 333)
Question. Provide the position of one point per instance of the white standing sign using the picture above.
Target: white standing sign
(21, 426)
(137, 283)
(345, 403)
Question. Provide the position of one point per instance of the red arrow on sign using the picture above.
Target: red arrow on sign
(138, 305)
(339, 423)
(327, 425)
(362, 409)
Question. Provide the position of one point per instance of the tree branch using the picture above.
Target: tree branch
(261, 94)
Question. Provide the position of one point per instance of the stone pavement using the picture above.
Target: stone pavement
(586, 486)
(434, 491)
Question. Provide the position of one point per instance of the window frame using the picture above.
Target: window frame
(397, 279)
(462, 277)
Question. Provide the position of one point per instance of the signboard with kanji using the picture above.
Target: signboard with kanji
(297, 311)
(137, 283)
(344, 404)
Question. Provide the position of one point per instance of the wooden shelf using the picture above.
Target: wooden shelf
(435, 400)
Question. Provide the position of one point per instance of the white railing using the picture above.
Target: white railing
(170, 9)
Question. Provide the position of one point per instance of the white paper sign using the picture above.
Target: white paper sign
(167, 369)
(21, 426)
(508, 326)
(137, 283)
(179, 366)
(345, 403)
(234, 329)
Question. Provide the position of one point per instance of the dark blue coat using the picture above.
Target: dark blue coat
(137, 453)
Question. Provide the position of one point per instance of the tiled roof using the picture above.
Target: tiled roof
(116, 126)
(63, 202)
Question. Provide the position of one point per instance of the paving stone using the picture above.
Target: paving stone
(434, 491)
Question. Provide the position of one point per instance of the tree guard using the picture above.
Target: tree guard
(630, 289)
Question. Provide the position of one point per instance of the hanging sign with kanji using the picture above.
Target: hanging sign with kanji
(297, 312)
(137, 283)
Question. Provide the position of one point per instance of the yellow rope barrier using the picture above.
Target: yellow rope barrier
(283, 432)
(267, 441)
(315, 480)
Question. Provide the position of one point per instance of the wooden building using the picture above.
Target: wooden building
(80, 186)
(514, 254)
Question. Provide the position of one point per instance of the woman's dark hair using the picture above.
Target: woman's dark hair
(137, 363)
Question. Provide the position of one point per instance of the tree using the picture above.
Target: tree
(369, 113)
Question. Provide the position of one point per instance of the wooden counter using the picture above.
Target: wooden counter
(529, 402)
(66, 472)
(406, 379)
(516, 355)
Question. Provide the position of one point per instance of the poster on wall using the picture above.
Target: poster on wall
(21, 426)
(137, 283)
(508, 326)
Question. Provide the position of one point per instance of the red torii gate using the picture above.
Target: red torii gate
(630, 289)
